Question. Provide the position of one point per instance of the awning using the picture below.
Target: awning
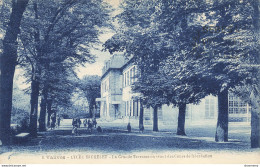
(116, 102)
(100, 99)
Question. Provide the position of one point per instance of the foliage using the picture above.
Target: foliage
(56, 37)
(90, 87)
(161, 33)
(21, 118)
(56, 41)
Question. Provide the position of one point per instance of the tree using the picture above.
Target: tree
(60, 92)
(226, 50)
(159, 30)
(149, 98)
(7, 67)
(219, 50)
(143, 35)
(90, 87)
(181, 87)
(62, 35)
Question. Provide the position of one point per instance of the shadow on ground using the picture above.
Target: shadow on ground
(115, 140)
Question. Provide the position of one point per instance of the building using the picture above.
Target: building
(111, 88)
(238, 110)
(118, 101)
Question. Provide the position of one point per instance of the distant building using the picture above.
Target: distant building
(111, 88)
(118, 101)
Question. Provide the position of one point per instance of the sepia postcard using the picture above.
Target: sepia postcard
(129, 82)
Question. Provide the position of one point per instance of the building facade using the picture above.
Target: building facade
(238, 110)
(118, 101)
(111, 88)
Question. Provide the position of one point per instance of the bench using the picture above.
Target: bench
(21, 137)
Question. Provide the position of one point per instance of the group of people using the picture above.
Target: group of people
(76, 122)
(89, 123)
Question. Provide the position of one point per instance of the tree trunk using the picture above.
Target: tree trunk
(181, 120)
(55, 116)
(49, 119)
(155, 118)
(7, 67)
(255, 128)
(34, 107)
(49, 111)
(222, 124)
(42, 118)
(91, 107)
(141, 116)
(255, 122)
(90, 112)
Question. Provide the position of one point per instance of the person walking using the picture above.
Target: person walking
(74, 122)
(85, 122)
(94, 122)
(75, 127)
(53, 119)
(58, 121)
(78, 122)
(89, 126)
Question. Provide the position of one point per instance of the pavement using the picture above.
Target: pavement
(54, 145)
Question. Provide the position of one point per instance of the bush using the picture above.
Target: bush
(21, 118)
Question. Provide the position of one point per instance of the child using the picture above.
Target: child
(75, 131)
(95, 122)
(89, 126)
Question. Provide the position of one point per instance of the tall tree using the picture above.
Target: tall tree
(151, 41)
(226, 50)
(221, 35)
(63, 35)
(8, 61)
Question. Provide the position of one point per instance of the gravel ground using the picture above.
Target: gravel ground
(116, 140)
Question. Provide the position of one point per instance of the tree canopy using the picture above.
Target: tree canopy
(90, 86)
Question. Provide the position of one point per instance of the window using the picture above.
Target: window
(130, 108)
(236, 111)
(230, 103)
(187, 115)
(131, 76)
(137, 108)
(230, 111)
(230, 97)
(212, 101)
(235, 98)
(134, 75)
(124, 82)
(125, 108)
(212, 107)
(242, 110)
(242, 104)
(209, 108)
(212, 111)
(235, 103)
(128, 78)
(250, 109)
